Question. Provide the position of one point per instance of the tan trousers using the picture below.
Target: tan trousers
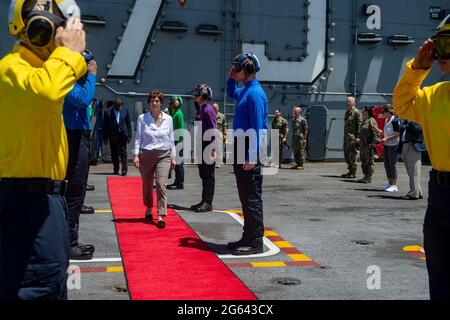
(155, 164)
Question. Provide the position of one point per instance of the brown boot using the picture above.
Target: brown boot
(351, 174)
(365, 180)
(345, 175)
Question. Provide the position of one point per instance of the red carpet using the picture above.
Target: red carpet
(171, 263)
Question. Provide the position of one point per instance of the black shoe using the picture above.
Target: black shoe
(87, 248)
(205, 207)
(77, 253)
(90, 187)
(175, 186)
(116, 173)
(195, 206)
(236, 244)
(87, 210)
(161, 224)
(247, 250)
(124, 174)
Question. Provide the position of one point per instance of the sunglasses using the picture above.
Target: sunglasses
(441, 47)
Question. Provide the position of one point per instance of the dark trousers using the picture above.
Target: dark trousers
(34, 248)
(208, 175)
(390, 159)
(119, 150)
(179, 172)
(437, 237)
(77, 177)
(249, 184)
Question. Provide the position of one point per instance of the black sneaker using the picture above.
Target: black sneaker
(88, 248)
(248, 247)
(77, 253)
(124, 174)
(195, 206)
(236, 244)
(247, 250)
(87, 210)
(205, 207)
(175, 186)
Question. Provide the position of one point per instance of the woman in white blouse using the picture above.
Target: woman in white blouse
(390, 144)
(154, 154)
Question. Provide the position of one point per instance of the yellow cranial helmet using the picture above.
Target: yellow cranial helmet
(16, 23)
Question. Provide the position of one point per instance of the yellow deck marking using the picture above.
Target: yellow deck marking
(412, 248)
(268, 264)
(270, 233)
(234, 211)
(103, 211)
(300, 257)
(114, 269)
(282, 244)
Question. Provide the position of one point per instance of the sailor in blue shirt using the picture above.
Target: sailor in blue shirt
(78, 128)
(251, 113)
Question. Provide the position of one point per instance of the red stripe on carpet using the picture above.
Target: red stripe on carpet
(171, 263)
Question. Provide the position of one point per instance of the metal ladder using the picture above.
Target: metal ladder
(229, 50)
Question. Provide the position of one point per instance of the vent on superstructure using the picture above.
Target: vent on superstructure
(174, 26)
(400, 39)
(93, 20)
(368, 38)
(209, 29)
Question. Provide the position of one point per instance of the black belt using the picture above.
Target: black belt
(32, 186)
(79, 132)
(440, 178)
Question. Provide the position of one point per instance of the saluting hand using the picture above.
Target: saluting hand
(72, 36)
(424, 57)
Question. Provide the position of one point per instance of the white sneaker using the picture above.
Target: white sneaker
(392, 189)
(387, 187)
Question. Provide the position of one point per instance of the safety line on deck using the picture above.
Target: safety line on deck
(415, 251)
(111, 269)
(271, 237)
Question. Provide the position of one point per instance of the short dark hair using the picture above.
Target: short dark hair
(156, 94)
(369, 110)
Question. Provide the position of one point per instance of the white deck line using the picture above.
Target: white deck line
(96, 260)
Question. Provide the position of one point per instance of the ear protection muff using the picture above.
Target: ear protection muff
(204, 91)
(41, 24)
(247, 61)
(41, 27)
(177, 98)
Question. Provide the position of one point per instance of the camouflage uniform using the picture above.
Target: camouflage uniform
(352, 127)
(368, 136)
(222, 127)
(299, 127)
(281, 124)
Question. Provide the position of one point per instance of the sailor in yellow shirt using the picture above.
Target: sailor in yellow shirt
(34, 79)
(430, 107)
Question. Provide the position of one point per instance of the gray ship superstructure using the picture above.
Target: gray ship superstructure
(313, 52)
